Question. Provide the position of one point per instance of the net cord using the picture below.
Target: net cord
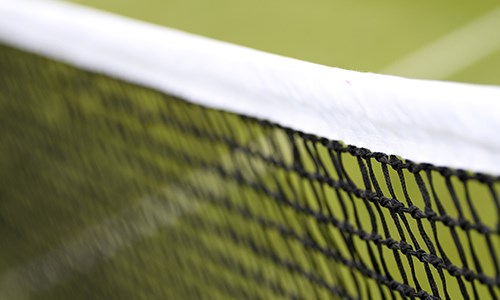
(442, 123)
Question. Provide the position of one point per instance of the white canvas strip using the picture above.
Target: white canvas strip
(447, 124)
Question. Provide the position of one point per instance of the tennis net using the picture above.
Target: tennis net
(142, 162)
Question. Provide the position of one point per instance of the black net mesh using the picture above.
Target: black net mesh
(110, 190)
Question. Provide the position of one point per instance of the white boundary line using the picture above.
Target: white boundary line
(448, 124)
(453, 52)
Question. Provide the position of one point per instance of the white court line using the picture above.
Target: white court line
(96, 244)
(454, 52)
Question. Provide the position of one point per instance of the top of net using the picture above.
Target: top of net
(447, 124)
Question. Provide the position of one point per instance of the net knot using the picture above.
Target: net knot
(404, 288)
(415, 168)
(394, 285)
(316, 176)
(468, 274)
(416, 212)
(483, 178)
(313, 138)
(324, 141)
(454, 270)
(445, 172)
(335, 145)
(281, 229)
(405, 247)
(483, 229)
(396, 163)
(448, 221)
(424, 295)
(365, 235)
(393, 244)
(309, 242)
(348, 227)
(396, 205)
(422, 255)
(462, 175)
(431, 215)
(434, 260)
(381, 157)
(385, 202)
(464, 224)
(320, 217)
(375, 237)
(357, 152)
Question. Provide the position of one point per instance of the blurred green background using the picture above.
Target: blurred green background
(373, 36)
